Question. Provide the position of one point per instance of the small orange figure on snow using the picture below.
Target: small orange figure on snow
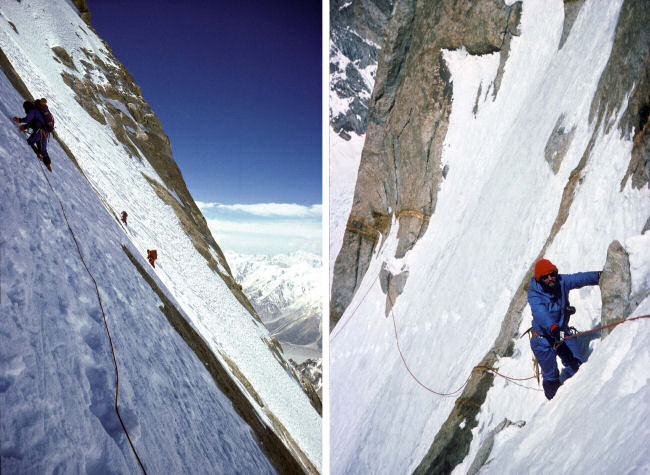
(124, 216)
(152, 255)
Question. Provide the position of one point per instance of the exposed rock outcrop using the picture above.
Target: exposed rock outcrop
(357, 33)
(486, 447)
(84, 13)
(400, 169)
(628, 71)
(619, 293)
(392, 285)
(615, 286)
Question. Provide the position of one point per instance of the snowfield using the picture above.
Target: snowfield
(494, 213)
(56, 369)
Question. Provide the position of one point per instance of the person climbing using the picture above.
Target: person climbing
(152, 255)
(35, 119)
(124, 216)
(548, 298)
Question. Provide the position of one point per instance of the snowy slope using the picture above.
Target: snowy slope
(56, 370)
(493, 215)
(28, 31)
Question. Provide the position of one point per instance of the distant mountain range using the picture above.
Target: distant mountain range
(286, 291)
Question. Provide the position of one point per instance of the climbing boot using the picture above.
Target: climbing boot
(550, 388)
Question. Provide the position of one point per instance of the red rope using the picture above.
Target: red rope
(605, 326)
(110, 340)
(480, 367)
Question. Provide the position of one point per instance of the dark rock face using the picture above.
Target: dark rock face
(571, 10)
(628, 70)
(84, 13)
(356, 33)
(408, 114)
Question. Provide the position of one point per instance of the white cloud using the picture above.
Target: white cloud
(201, 205)
(288, 228)
(289, 210)
(267, 237)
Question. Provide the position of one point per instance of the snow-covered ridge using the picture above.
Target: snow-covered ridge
(46, 299)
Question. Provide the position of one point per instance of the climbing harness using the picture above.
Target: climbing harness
(101, 306)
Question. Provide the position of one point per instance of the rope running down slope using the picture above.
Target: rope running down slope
(101, 306)
(479, 367)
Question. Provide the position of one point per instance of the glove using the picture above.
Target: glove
(557, 335)
(22, 127)
(570, 310)
(16, 119)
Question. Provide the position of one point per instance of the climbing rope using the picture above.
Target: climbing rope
(611, 325)
(101, 306)
(354, 311)
(462, 386)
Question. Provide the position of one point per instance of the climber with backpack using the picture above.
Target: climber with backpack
(152, 255)
(548, 297)
(39, 119)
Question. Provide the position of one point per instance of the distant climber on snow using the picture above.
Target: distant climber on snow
(548, 298)
(123, 217)
(152, 255)
(41, 122)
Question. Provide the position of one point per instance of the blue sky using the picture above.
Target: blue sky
(237, 87)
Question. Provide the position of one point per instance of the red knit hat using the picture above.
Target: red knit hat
(544, 267)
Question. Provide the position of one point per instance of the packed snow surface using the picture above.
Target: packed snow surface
(494, 213)
(56, 371)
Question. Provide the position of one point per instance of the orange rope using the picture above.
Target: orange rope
(117, 374)
(480, 367)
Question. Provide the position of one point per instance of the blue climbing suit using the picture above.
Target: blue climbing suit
(38, 139)
(550, 315)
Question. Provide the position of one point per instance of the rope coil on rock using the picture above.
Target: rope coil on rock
(101, 306)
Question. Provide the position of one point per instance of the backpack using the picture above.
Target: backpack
(41, 104)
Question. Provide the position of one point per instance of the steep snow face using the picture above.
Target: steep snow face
(56, 371)
(28, 31)
(494, 214)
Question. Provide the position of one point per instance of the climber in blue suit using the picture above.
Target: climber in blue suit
(548, 298)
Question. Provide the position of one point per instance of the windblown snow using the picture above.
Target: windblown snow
(56, 369)
(493, 215)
